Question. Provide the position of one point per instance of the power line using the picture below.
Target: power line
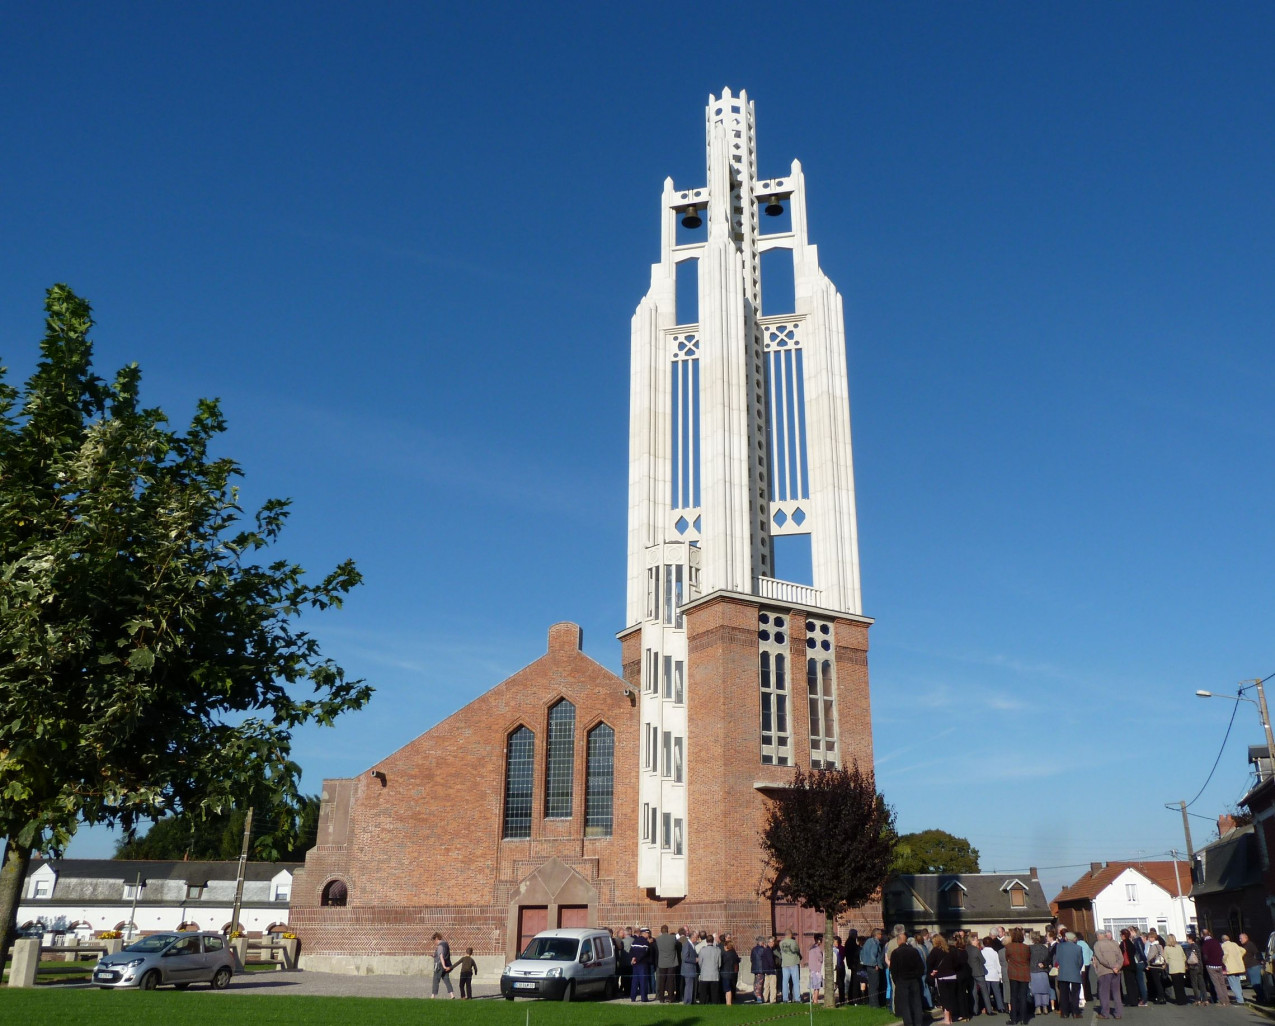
(1235, 708)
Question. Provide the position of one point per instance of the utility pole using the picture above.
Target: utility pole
(132, 914)
(243, 868)
(1186, 829)
(1266, 721)
(1181, 900)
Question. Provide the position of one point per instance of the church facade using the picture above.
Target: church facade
(638, 798)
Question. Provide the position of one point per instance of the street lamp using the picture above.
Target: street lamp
(1262, 710)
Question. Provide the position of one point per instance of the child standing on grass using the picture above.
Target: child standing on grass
(467, 967)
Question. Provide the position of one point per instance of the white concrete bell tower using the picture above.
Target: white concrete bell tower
(739, 433)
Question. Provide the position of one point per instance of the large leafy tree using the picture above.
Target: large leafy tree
(935, 851)
(150, 659)
(280, 833)
(829, 841)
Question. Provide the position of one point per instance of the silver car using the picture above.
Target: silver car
(179, 959)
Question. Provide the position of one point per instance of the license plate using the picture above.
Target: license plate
(525, 986)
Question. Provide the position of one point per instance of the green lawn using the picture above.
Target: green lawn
(201, 1008)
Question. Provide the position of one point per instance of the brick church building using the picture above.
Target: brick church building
(638, 799)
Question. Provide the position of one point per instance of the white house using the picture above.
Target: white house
(83, 897)
(1114, 895)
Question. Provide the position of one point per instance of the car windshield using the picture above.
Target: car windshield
(155, 942)
(554, 949)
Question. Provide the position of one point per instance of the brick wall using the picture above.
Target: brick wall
(419, 845)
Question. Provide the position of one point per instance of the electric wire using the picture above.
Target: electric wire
(1225, 738)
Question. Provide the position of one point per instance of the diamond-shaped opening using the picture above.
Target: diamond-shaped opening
(780, 518)
(798, 516)
(697, 523)
(681, 525)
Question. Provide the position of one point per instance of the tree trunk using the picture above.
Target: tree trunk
(830, 960)
(13, 874)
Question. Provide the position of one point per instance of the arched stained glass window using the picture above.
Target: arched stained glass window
(561, 760)
(599, 781)
(520, 757)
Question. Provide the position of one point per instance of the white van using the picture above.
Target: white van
(562, 965)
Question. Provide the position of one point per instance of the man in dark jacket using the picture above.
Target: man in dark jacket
(763, 967)
(906, 971)
(1215, 966)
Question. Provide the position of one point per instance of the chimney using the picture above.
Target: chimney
(1035, 875)
(1225, 824)
(1095, 867)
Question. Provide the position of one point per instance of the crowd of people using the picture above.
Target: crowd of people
(1018, 973)
(1023, 974)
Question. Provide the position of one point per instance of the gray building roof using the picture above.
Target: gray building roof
(1230, 863)
(127, 870)
(932, 899)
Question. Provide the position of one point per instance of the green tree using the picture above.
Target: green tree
(829, 841)
(149, 664)
(281, 833)
(934, 851)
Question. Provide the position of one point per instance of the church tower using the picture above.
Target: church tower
(739, 436)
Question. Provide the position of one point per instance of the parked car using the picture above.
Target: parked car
(179, 959)
(563, 965)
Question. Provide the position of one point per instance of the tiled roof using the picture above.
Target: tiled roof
(1095, 882)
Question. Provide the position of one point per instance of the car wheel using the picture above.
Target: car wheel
(150, 981)
(221, 979)
(570, 992)
(609, 992)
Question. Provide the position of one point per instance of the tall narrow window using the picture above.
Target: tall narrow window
(668, 676)
(679, 692)
(773, 671)
(666, 762)
(599, 781)
(666, 830)
(678, 845)
(821, 696)
(520, 754)
(677, 760)
(561, 760)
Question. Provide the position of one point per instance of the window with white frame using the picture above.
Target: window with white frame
(283, 890)
(195, 891)
(666, 761)
(651, 672)
(646, 821)
(43, 888)
(651, 748)
(132, 890)
(668, 677)
(678, 846)
(1131, 892)
(772, 641)
(822, 699)
(677, 760)
(666, 831)
(652, 832)
(679, 690)
(1017, 896)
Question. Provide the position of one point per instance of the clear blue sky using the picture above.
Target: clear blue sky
(403, 243)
